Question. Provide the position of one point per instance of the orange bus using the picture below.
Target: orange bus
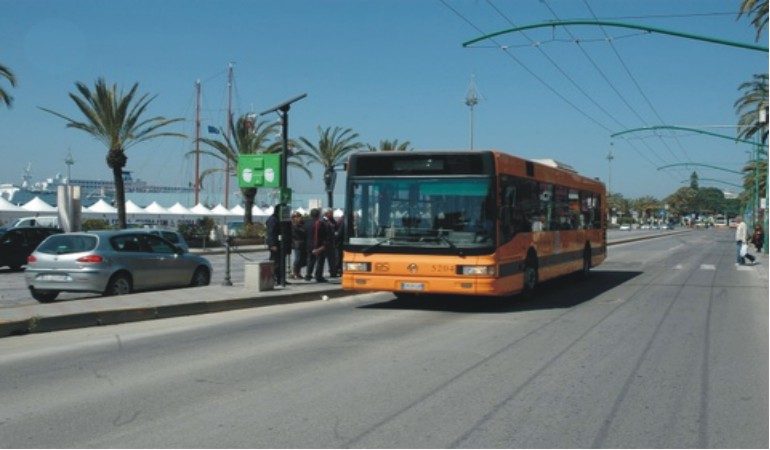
(474, 223)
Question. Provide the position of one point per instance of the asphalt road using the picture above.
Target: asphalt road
(665, 345)
(14, 292)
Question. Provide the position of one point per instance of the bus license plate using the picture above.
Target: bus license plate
(412, 286)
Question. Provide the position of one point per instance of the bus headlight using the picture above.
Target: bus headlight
(476, 270)
(358, 267)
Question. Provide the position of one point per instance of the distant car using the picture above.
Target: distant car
(36, 221)
(645, 227)
(625, 227)
(17, 243)
(174, 237)
(111, 263)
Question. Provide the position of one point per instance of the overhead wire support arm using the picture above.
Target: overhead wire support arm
(678, 128)
(556, 23)
(700, 165)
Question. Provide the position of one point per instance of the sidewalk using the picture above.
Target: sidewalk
(179, 302)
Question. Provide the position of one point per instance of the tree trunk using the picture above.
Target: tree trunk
(116, 160)
(120, 196)
(330, 198)
(248, 199)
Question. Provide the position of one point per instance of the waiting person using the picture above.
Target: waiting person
(310, 243)
(298, 245)
(742, 237)
(324, 244)
(339, 237)
(758, 239)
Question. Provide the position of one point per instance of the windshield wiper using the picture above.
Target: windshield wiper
(450, 243)
(373, 246)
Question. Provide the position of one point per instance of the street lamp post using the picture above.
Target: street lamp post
(285, 228)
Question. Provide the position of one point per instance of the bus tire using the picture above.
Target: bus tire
(586, 270)
(530, 277)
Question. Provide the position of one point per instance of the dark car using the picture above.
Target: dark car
(18, 243)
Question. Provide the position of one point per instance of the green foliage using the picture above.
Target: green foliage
(252, 230)
(8, 75)
(95, 224)
(198, 230)
(117, 120)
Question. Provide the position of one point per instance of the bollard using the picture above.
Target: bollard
(227, 281)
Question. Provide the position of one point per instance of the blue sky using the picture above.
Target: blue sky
(388, 70)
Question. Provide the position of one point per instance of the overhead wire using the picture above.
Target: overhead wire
(530, 71)
(568, 77)
(612, 86)
(634, 80)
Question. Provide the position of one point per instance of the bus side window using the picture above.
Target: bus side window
(507, 208)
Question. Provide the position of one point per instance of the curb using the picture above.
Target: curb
(645, 238)
(42, 324)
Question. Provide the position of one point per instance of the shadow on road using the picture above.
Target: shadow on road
(564, 292)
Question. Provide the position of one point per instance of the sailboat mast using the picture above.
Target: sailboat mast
(229, 126)
(197, 140)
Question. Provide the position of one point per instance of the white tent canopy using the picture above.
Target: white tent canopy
(178, 208)
(132, 208)
(220, 210)
(37, 205)
(200, 210)
(155, 208)
(238, 210)
(5, 205)
(101, 207)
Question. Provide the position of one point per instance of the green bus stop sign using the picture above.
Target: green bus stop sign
(258, 171)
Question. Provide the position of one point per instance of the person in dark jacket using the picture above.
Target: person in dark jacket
(298, 245)
(758, 238)
(315, 213)
(323, 232)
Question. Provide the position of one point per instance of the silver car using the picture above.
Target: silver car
(112, 263)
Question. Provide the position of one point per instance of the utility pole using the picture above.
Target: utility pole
(69, 161)
(229, 126)
(610, 157)
(197, 186)
(471, 100)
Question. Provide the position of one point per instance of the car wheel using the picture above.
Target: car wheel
(119, 284)
(15, 267)
(201, 277)
(43, 296)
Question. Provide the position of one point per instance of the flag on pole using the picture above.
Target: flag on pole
(213, 130)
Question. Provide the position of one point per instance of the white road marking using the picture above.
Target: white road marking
(707, 267)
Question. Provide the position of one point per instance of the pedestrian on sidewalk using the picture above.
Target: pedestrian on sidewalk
(310, 245)
(758, 239)
(298, 245)
(741, 239)
(324, 244)
(273, 240)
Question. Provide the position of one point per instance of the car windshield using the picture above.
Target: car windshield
(62, 244)
(450, 213)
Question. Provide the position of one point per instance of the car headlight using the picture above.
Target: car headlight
(476, 270)
(358, 267)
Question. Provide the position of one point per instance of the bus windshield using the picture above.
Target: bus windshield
(450, 213)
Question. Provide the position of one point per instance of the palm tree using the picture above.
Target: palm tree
(389, 146)
(748, 107)
(248, 138)
(8, 75)
(682, 201)
(647, 205)
(332, 147)
(758, 10)
(115, 119)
